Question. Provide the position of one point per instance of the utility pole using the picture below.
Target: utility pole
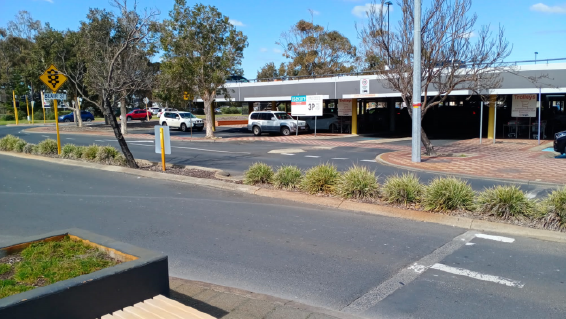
(416, 145)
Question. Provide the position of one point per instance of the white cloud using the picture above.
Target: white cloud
(541, 7)
(277, 51)
(361, 11)
(236, 23)
(469, 35)
(263, 50)
(314, 12)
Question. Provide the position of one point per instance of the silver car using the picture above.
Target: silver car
(274, 122)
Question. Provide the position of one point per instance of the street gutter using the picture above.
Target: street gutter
(454, 221)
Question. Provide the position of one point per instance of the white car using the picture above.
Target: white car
(166, 110)
(274, 122)
(181, 120)
(154, 110)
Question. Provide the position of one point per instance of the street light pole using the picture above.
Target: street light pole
(388, 3)
(416, 140)
(536, 53)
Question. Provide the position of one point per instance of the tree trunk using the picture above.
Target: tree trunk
(123, 120)
(429, 149)
(80, 118)
(130, 160)
(208, 112)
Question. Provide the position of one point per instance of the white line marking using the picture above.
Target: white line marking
(202, 149)
(339, 158)
(312, 156)
(99, 140)
(373, 161)
(141, 144)
(496, 238)
(45, 135)
(478, 276)
(470, 244)
(418, 268)
(70, 138)
(288, 154)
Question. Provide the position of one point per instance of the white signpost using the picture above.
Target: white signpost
(524, 105)
(306, 105)
(364, 86)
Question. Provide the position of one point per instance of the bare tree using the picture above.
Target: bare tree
(113, 59)
(456, 55)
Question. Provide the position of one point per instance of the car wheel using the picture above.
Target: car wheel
(333, 128)
(89, 120)
(257, 130)
(183, 127)
(164, 124)
(308, 128)
(128, 119)
(66, 120)
(285, 131)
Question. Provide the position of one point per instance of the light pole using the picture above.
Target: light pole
(416, 136)
(536, 53)
(388, 3)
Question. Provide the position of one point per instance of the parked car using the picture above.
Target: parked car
(326, 122)
(181, 120)
(166, 110)
(274, 122)
(154, 110)
(560, 142)
(85, 115)
(141, 115)
(236, 79)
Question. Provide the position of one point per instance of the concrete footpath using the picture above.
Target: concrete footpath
(231, 303)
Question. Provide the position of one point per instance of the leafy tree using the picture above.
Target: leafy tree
(268, 71)
(201, 49)
(313, 50)
(456, 55)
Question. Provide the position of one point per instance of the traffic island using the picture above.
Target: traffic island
(135, 274)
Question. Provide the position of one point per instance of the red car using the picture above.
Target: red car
(141, 115)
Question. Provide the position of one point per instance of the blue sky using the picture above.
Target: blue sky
(530, 25)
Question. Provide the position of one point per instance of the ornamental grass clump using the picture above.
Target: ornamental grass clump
(357, 182)
(68, 150)
(47, 147)
(505, 202)
(287, 176)
(119, 160)
(29, 148)
(448, 194)
(19, 146)
(402, 189)
(90, 152)
(258, 173)
(321, 178)
(553, 209)
(78, 152)
(8, 142)
(106, 154)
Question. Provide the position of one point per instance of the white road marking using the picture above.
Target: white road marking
(470, 244)
(496, 238)
(417, 268)
(312, 156)
(288, 154)
(339, 158)
(373, 161)
(141, 144)
(205, 150)
(45, 135)
(70, 138)
(478, 276)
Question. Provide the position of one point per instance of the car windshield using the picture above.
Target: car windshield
(187, 115)
(283, 116)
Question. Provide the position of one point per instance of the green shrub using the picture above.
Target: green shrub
(29, 148)
(90, 152)
(258, 173)
(231, 110)
(78, 152)
(106, 154)
(47, 147)
(7, 117)
(68, 150)
(287, 176)
(19, 147)
(119, 160)
(8, 142)
(321, 178)
(553, 208)
(505, 202)
(357, 182)
(402, 189)
(446, 194)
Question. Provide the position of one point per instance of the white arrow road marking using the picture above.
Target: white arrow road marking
(373, 161)
(496, 238)
(288, 154)
(478, 276)
(339, 158)
(312, 156)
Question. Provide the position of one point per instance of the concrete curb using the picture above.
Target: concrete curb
(454, 221)
(500, 180)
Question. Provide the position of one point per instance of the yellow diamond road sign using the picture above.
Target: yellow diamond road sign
(186, 96)
(53, 78)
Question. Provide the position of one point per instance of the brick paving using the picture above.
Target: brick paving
(521, 160)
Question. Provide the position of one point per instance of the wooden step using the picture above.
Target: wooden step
(159, 307)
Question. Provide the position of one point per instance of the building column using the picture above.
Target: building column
(354, 129)
(286, 109)
(273, 106)
(492, 102)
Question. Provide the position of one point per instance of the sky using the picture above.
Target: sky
(530, 25)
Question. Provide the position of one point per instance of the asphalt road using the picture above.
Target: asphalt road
(374, 266)
(236, 156)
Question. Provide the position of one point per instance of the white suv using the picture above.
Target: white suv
(182, 120)
(274, 122)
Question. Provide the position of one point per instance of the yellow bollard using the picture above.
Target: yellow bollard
(162, 148)
(27, 105)
(15, 108)
(57, 126)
